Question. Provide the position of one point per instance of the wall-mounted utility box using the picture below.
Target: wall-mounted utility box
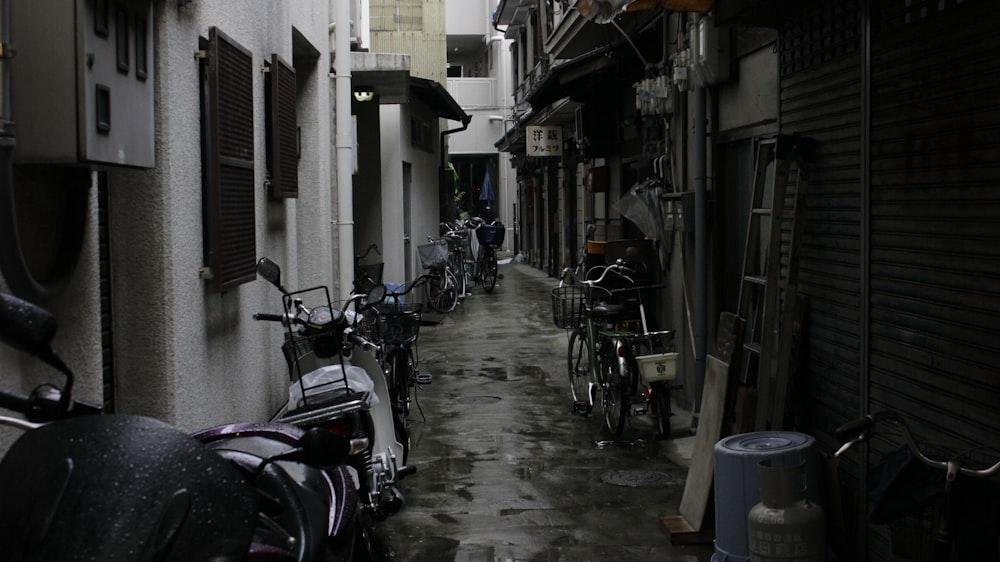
(82, 82)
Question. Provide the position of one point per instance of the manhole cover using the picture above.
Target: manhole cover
(478, 399)
(635, 478)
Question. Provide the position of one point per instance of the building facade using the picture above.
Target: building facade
(199, 140)
(891, 250)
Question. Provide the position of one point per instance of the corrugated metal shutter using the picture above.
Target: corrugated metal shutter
(935, 214)
(820, 98)
(230, 229)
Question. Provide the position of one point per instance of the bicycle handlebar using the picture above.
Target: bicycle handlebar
(362, 342)
(372, 246)
(409, 286)
(618, 268)
(861, 429)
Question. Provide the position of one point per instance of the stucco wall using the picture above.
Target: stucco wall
(184, 353)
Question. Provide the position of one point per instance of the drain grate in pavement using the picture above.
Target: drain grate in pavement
(636, 478)
(478, 399)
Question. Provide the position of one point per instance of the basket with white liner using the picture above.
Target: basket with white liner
(660, 364)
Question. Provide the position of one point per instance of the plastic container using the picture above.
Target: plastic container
(596, 247)
(737, 483)
(657, 367)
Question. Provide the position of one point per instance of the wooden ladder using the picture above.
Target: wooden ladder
(770, 269)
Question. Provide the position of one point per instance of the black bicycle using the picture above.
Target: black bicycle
(921, 480)
(367, 275)
(395, 325)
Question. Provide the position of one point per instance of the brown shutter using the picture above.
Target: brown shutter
(282, 134)
(230, 235)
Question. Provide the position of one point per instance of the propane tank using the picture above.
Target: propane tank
(785, 525)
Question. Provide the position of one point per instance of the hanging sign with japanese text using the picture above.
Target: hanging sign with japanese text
(544, 141)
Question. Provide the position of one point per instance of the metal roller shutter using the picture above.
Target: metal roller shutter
(820, 97)
(935, 215)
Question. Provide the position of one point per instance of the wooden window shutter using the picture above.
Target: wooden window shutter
(282, 133)
(230, 235)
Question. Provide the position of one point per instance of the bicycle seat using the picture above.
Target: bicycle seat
(604, 310)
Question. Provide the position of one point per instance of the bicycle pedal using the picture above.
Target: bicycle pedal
(424, 378)
(640, 411)
(581, 408)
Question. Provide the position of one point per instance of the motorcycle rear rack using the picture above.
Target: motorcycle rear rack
(342, 406)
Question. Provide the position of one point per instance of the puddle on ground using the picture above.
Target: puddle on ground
(636, 478)
(494, 373)
(478, 399)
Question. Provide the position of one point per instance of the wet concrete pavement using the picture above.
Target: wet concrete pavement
(505, 470)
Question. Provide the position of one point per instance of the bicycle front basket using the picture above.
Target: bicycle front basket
(433, 254)
(567, 306)
(491, 234)
(398, 323)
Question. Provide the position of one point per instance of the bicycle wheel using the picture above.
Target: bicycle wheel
(399, 380)
(615, 395)
(490, 269)
(661, 408)
(449, 291)
(457, 265)
(578, 360)
(436, 292)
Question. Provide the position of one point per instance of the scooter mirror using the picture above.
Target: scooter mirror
(270, 271)
(25, 326)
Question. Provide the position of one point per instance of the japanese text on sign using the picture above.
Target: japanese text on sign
(544, 141)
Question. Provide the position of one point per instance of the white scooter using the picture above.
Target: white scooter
(337, 384)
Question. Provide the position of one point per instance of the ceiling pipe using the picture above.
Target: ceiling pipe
(344, 145)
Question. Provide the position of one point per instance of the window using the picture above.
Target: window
(228, 156)
(421, 133)
(282, 130)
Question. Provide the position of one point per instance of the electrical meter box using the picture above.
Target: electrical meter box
(82, 82)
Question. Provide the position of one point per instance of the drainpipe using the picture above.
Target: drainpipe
(344, 145)
(700, 242)
(442, 170)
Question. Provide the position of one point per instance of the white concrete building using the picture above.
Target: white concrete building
(153, 318)
(480, 80)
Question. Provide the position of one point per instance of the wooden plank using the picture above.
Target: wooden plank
(698, 486)
(679, 531)
(788, 359)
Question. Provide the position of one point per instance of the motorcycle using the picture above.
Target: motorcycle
(79, 484)
(337, 384)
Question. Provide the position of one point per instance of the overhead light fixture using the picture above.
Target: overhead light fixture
(363, 94)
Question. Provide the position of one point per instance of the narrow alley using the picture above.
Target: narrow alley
(505, 470)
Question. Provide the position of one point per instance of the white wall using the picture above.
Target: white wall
(471, 19)
(425, 215)
(183, 352)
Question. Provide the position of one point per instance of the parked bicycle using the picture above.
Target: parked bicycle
(458, 235)
(394, 325)
(367, 275)
(441, 291)
(959, 530)
(611, 348)
(490, 236)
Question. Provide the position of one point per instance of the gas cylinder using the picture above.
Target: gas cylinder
(786, 525)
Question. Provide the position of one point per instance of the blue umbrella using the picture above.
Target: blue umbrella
(487, 193)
